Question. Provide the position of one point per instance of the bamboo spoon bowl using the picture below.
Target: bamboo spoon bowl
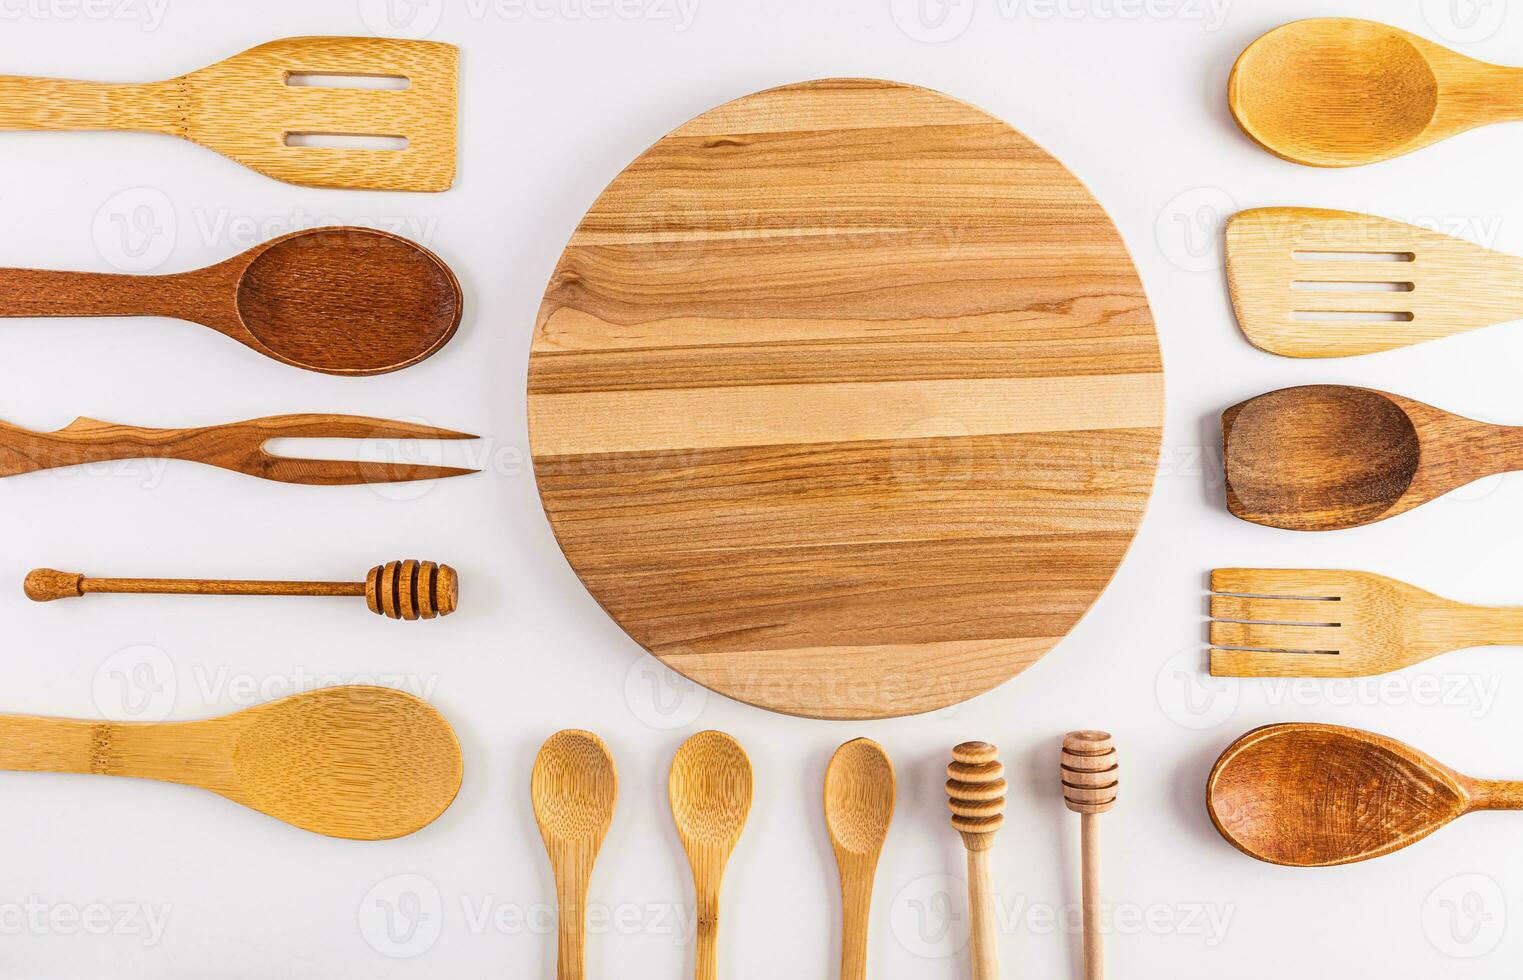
(361, 763)
(343, 301)
(1339, 92)
(859, 806)
(1319, 795)
(710, 790)
(575, 788)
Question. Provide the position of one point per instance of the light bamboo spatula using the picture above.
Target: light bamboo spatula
(575, 788)
(265, 107)
(1308, 282)
(859, 806)
(710, 791)
(362, 763)
(1338, 92)
(1272, 622)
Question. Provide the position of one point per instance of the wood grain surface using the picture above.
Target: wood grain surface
(845, 400)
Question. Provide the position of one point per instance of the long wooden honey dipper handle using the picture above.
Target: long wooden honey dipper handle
(976, 796)
(1089, 789)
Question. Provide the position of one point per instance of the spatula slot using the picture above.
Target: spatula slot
(1299, 653)
(316, 79)
(1311, 255)
(1353, 287)
(1361, 316)
(347, 141)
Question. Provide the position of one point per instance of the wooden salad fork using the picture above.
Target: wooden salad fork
(575, 788)
(710, 791)
(263, 107)
(1308, 282)
(1270, 622)
(238, 446)
(859, 806)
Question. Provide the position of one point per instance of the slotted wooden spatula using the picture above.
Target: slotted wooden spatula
(261, 107)
(1308, 282)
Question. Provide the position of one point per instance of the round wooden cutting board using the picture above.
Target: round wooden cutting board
(845, 400)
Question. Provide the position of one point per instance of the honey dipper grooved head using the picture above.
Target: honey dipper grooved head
(976, 793)
(1090, 772)
(412, 590)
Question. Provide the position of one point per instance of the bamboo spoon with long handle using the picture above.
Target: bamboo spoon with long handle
(362, 763)
(1338, 92)
(263, 108)
(1317, 795)
(859, 806)
(1308, 282)
(1324, 457)
(343, 301)
(1089, 776)
(710, 791)
(409, 590)
(976, 796)
(575, 788)
(1272, 622)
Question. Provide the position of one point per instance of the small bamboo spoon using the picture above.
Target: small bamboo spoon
(1311, 796)
(1338, 92)
(976, 796)
(362, 763)
(1325, 457)
(346, 301)
(859, 806)
(575, 788)
(1089, 777)
(710, 792)
(409, 590)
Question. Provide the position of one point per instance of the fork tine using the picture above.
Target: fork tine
(1263, 663)
(1275, 637)
(348, 427)
(1284, 582)
(343, 472)
(1255, 608)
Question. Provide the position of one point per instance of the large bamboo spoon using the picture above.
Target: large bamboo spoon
(575, 788)
(1324, 457)
(1088, 772)
(1337, 92)
(976, 796)
(710, 792)
(1318, 795)
(859, 806)
(363, 763)
(347, 301)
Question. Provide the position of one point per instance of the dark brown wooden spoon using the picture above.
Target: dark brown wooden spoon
(1311, 796)
(1325, 457)
(350, 301)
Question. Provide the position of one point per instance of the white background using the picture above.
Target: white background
(1131, 97)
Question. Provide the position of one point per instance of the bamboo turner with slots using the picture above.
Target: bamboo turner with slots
(1271, 622)
(237, 446)
(256, 108)
(1308, 282)
(409, 590)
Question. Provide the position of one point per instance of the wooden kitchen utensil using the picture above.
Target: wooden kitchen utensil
(1319, 795)
(1089, 774)
(1307, 282)
(263, 108)
(575, 788)
(1331, 456)
(238, 446)
(845, 400)
(976, 796)
(347, 301)
(407, 590)
(363, 763)
(859, 805)
(1272, 622)
(710, 792)
(1338, 92)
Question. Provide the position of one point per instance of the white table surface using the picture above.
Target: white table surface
(108, 878)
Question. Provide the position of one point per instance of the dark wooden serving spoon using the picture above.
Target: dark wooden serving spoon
(1311, 796)
(1324, 457)
(350, 301)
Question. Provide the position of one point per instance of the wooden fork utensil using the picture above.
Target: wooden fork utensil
(409, 590)
(575, 788)
(710, 791)
(976, 796)
(859, 806)
(363, 763)
(262, 107)
(1308, 282)
(1089, 776)
(238, 446)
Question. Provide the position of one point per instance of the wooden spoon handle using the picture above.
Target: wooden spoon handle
(53, 104)
(981, 919)
(571, 885)
(856, 902)
(166, 752)
(706, 962)
(47, 292)
(1495, 794)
